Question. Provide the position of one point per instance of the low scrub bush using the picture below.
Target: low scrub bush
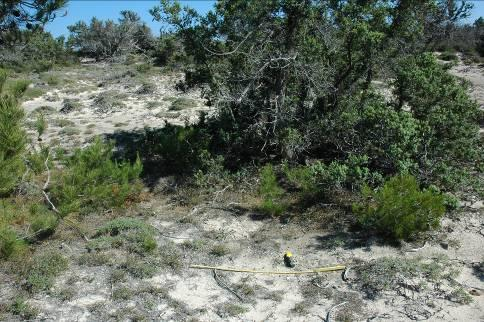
(433, 278)
(44, 269)
(400, 209)
(132, 234)
(21, 308)
(92, 180)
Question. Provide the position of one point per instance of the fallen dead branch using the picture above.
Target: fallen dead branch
(239, 270)
(224, 285)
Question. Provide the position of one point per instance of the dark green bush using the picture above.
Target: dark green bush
(400, 209)
(92, 180)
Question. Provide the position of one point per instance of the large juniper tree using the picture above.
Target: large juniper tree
(294, 79)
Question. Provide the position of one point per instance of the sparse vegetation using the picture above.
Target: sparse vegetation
(402, 275)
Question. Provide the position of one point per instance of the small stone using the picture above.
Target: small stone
(444, 245)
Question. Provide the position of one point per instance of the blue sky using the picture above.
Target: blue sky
(86, 9)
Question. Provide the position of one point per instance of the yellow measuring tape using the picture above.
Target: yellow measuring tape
(312, 271)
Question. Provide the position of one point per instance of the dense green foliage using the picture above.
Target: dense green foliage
(92, 180)
(400, 209)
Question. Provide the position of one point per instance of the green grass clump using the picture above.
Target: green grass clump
(219, 250)
(139, 268)
(271, 192)
(171, 256)
(182, 103)
(70, 131)
(63, 123)
(122, 294)
(146, 88)
(71, 105)
(143, 68)
(93, 259)
(400, 209)
(21, 308)
(92, 180)
(44, 269)
(50, 79)
(44, 109)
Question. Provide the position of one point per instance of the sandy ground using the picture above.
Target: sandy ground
(248, 241)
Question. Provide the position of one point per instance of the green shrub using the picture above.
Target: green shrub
(446, 114)
(92, 180)
(400, 209)
(44, 269)
(12, 144)
(271, 192)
